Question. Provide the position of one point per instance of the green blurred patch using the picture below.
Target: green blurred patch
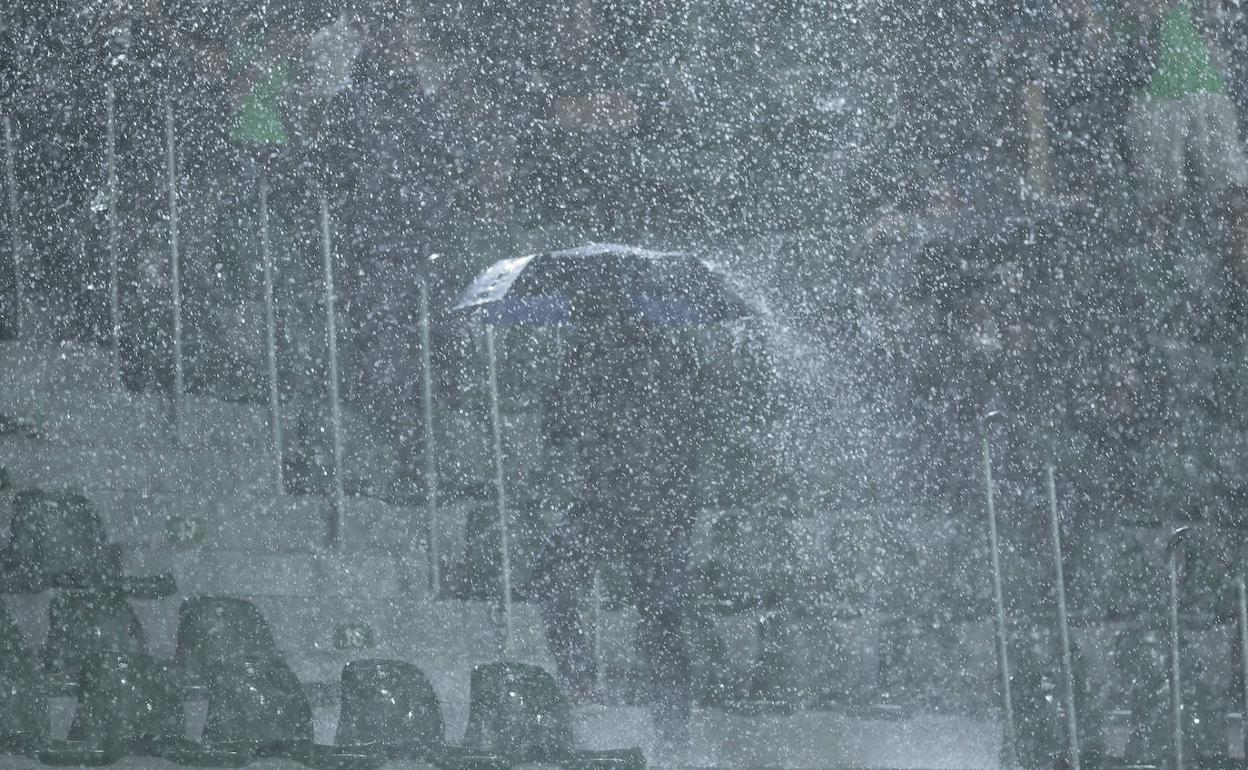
(354, 636)
(184, 532)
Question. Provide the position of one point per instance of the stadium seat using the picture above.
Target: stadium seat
(56, 539)
(129, 705)
(259, 703)
(517, 711)
(128, 699)
(123, 708)
(389, 703)
(215, 630)
(258, 708)
(83, 623)
(389, 707)
(24, 725)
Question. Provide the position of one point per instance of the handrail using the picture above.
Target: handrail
(1173, 545)
(1063, 624)
(1176, 544)
(15, 237)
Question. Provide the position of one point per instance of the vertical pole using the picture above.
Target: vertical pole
(15, 238)
(1036, 175)
(998, 598)
(597, 599)
(1063, 626)
(431, 447)
(270, 331)
(175, 278)
(500, 489)
(1241, 597)
(114, 298)
(335, 406)
(1176, 692)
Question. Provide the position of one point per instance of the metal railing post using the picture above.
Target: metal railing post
(1241, 602)
(1176, 681)
(1009, 737)
(1063, 625)
(15, 235)
(596, 597)
(175, 278)
(335, 404)
(500, 489)
(270, 330)
(114, 290)
(431, 449)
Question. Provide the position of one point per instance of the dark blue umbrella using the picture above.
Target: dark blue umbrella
(602, 281)
(594, 283)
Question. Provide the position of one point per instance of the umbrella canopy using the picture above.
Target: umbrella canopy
(602, 281)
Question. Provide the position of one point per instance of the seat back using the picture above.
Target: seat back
(258, 702)
(23, 697)
(54, 534)
(214, 630)
(391, 703)
(517, 710)
(83, 623)
(126, 701)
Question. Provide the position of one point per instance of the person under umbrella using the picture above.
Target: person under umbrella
(630, 401)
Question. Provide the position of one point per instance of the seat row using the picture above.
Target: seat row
(131, 704)
(57, 540)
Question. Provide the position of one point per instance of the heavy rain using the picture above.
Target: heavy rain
(624, 383)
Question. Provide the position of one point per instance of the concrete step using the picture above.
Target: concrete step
(818, 739)
(807, 739)
(121, 422)
(75, 365)
(69, 392)
(80, 416)
(68, 396)
(116, 417)
(278, 573)
(205, 470)
(262, 522)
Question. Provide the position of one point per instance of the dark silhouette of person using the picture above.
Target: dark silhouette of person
(628, 398)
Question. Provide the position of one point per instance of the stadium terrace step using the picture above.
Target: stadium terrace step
(32, 367)
(76, 418)
(68, 389)
(178, 520)
(120, 418)
(269, 573)
(807, 739)
(258, 523)
(206, 471)
(815, 739)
